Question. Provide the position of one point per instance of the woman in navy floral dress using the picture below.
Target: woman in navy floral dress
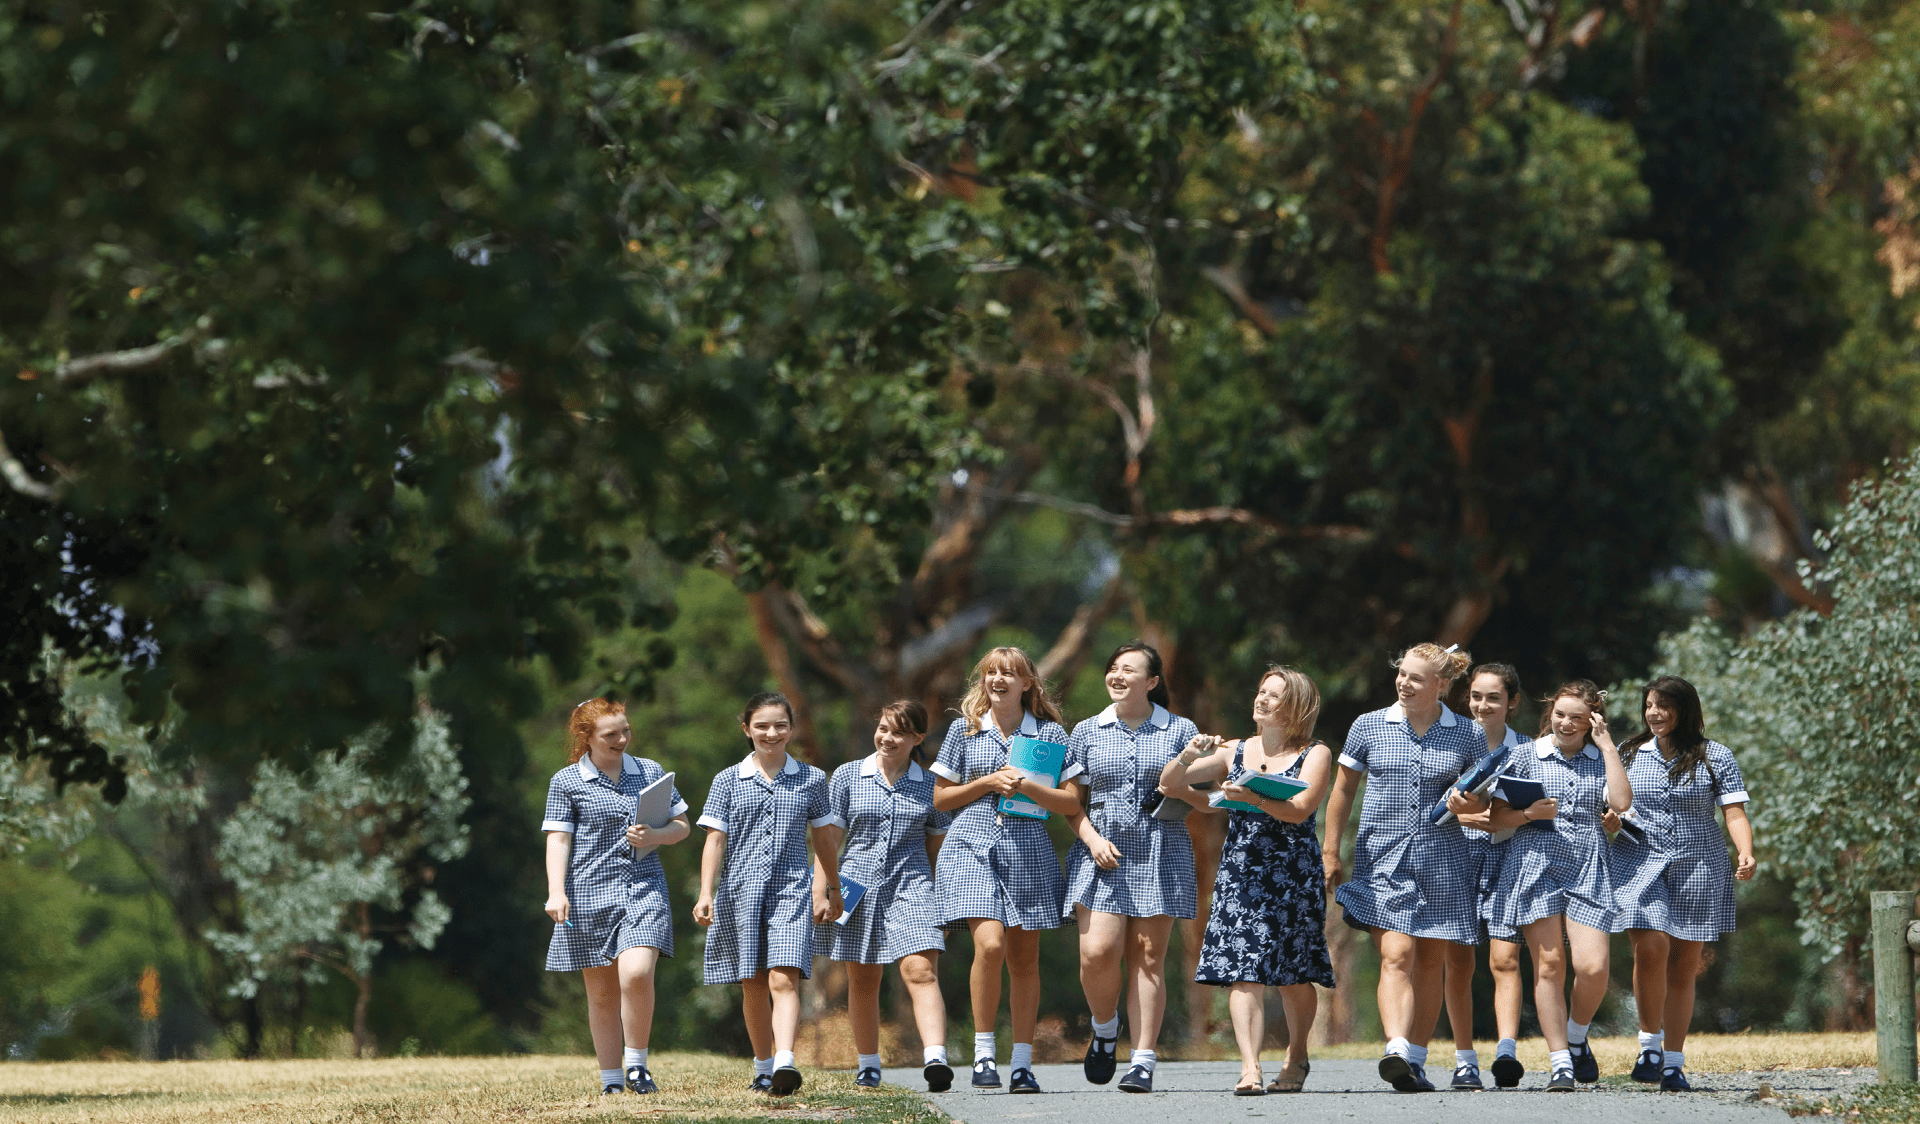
(1266, 926)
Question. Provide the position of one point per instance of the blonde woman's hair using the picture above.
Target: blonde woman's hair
(1450, 663)
(1037, 699)
(1299, 706)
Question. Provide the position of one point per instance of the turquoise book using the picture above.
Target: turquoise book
(1041, 762)
(1273, 788)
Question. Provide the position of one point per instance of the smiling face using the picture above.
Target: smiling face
(768, 729)
(1128, 681)
(611, 734)
(1660, 715)
(1266, 701)
(1004, 684)
(894, 741)
(1571, 719)
(1417, 684)
(1488, 701)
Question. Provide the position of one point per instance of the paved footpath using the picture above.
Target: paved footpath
(1197, 1093)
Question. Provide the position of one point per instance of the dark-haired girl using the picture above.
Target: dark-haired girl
(1556, 885)
(611, 921)
(1674, 882)
(1128, 874)
(759, 910)
(892, 831)
(999, 873)
(1493, 695)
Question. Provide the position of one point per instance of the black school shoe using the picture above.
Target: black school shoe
(1023, 1082)
(1561, 1081)
(939, 1077)
(869, 1079)
(640, 1081)
(1466, 1079)
(986, 1075)
(1102, 1055)
(1646, 1067)
(1674, 1081)
(1586, 1067)
(1139, 1079)
(610, 1090)
(786, 1081)
(1398, 1072)
(761, 1083)
(1507, 1071)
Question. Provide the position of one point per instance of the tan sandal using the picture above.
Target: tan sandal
(1291, 1080)
(1245, 1090)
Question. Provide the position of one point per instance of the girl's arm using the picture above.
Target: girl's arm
(1064, 800)
(710, 860)
(1741, 828)
(560, 849)
(1503, 815)
(1619, 788)
(949, 796)
(640, 835)
(1339, 804)
(1106, 856)
(1188, 768)
(826, 861)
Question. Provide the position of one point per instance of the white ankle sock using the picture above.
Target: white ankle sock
(782, 1059)
(631, 1056)
(1022, 1055)
(611, 1077)
(983, 1047)
(1673, 1059)
(1466, 1057)
(1507, 1048)
(933, 1054)
(1145, 1058)
(1558, 1060)
(1417, 1055)
(1577, 1033)
(1653, 1040)
(1108, 1029)
(1399, 1046)
(763, 1067)
(869, 1061)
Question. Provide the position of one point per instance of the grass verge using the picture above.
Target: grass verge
(694, 1087)
(1874, 1104)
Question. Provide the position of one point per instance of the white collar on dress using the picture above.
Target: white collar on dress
(1512, 740)
(588, 770)
(1160, 719)
(1029, 725)
(1397, 713)
(1544, 748)
(749, 770)
(871, 767)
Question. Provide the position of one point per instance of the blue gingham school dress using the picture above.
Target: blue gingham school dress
(1680, 881)
(616, 902)
(886, 851)
(1489, 851)
(1002, 868)
(1558, 866)
(1410, 876)
(1155, 877)
(763, 905)
(1267, 921)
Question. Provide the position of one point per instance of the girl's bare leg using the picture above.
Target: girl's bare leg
(636, 967)
(603, 1013)
(863, 1006)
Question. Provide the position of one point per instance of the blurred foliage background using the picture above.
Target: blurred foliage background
(475, 358)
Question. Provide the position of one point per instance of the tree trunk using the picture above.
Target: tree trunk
(363, 988)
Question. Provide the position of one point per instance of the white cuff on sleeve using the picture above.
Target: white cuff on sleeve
(1739, 797)
(561, 826)
(1357, 766)
(680, 808)
(828, 820)
(713, 822)
(1072, 771)
(941, 770)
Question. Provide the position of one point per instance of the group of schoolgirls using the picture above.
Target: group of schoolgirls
(932, 850)
(1624, 839)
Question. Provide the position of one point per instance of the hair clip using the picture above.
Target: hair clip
(1452, 648)
(1603, 696)
(584, 702)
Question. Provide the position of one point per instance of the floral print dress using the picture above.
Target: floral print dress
(1267, 922)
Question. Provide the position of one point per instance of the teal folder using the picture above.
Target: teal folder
(1273, 788)
(1041, 762)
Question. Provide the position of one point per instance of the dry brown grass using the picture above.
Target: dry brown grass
(546, 1089)
(1706, 1053)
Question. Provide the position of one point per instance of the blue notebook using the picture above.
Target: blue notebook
(1519, 792)
(1476, 781)
(1042, 763)
(850, 894)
